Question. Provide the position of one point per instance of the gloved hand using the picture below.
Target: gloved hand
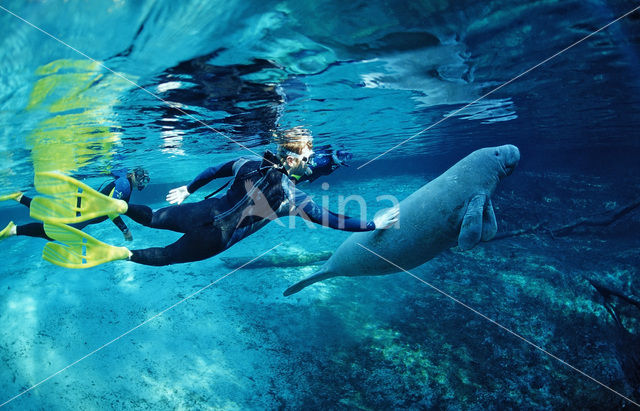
(127, 235)
(177, 195)
(386, 218)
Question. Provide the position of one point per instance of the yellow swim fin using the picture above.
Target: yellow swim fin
(71, 201)
(78, 249)
(6, 232)
(12, 196)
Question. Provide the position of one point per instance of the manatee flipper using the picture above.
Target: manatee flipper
(471, 228)
(489, 223)
(319, 276)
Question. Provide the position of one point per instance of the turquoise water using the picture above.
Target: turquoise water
(218, 78)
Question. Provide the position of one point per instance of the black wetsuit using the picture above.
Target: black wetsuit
(258, 194)
(119, 188)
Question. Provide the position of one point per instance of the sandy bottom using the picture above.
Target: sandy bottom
(375, 342)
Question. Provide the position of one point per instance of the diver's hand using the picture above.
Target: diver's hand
(127, 235)
(387, 218)
(177, 195)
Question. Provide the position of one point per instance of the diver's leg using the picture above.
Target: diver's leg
(37, 229)
(193, 246)
(180, 218)
(83, 224)
(141, 214)
(32, 230)
(25, 201)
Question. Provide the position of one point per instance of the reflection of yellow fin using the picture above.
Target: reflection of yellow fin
(78, 249)
(68, 65)
(81, 128)
(72, 201)
(67, 80)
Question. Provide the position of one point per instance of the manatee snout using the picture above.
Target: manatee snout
(510, 156)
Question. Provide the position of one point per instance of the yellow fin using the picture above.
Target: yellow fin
(78, 249)
(71, 201)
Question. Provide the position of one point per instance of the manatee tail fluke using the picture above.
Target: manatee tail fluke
(319, 276)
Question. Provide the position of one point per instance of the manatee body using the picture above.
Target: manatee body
(453, 208)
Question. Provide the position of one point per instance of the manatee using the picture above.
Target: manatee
(453, 208)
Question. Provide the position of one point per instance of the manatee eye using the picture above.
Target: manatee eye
(497, 153)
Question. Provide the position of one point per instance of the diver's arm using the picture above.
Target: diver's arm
(309, 210)
(120, 189)
(179, 194)
(123, 227)
(346, 223)
(210, 174)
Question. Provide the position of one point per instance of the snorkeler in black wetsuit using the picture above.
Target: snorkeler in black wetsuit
(259, 193)
(119, 188)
